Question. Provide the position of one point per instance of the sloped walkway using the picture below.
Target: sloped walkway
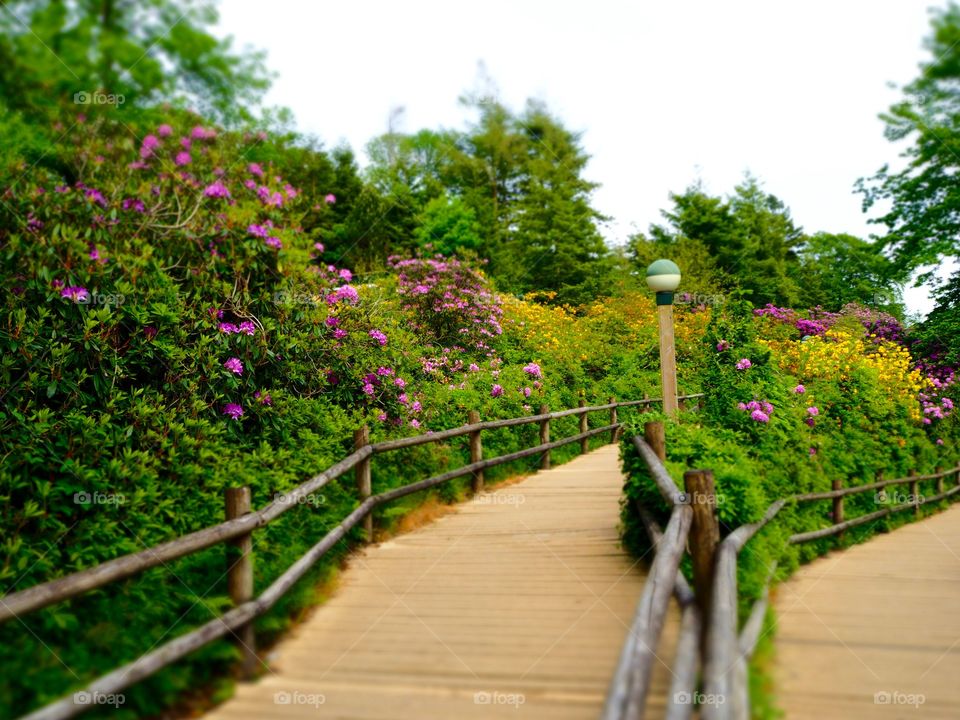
(874, 631)
(519, 600)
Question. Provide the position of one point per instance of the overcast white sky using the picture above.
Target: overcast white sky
(664, 92)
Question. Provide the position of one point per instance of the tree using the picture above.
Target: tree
(838, 269)
(521, 176)
(447, 226)
(750, 237)
(923, 222)
(57, 54)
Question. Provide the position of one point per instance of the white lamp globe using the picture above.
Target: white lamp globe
(663, 276)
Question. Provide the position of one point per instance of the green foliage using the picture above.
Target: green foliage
(922, 202)
(447, 226)
(141, 54)
(510, 187)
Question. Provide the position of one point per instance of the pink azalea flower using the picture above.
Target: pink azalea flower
(216, 190)
(164, 130)
(330, 199)
(799, 389)
(234, 365)
(743, 364)
(496, 391)
(182, 158)
(233, 410)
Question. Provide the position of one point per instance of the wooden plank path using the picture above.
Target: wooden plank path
(874, 631)
(515, 605)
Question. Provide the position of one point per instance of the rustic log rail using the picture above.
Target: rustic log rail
(711, 615)
(238, 529)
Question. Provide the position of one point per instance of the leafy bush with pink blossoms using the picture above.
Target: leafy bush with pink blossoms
(176, 321)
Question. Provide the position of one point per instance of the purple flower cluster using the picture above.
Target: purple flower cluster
(760, 410)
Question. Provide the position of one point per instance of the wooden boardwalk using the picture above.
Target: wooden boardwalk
(874, 631)
(519, 600)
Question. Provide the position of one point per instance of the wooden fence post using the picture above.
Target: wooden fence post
(361, 438)
(584, 442)
(545, 438)
(240, 576)
(654, 435)
(915, 493)
(476, 452)
(838, 506)
(615, 433)
(646, 408)
(704, 537)
(940, 483)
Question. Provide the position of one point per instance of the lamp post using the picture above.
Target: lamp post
(663, 277)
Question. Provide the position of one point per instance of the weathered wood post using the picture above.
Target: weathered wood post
(654, 435)
(361, 438)
(545, 438)
(940, 483)
(700, 492)
(914, 493)
(584, 442)
(240, 576)
(476, 452)
(838, 506)
(646, 404)
(615, 433)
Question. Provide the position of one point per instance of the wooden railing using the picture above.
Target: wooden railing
(242, 522)
(709, 629)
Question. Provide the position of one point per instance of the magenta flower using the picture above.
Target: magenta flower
(533, 370)
(416, 407)
(400, 383)
(799, 389)
(339, 333)
(135, 204)
(255, 169)
(759, 416)
(473, 367)
(722, 345)
(228, 328)
(216, 190)
(318, 247)
(810, 421)
(95, 254)
(247, 328)
(344, 293)
(345, 275)
(330, 199)
(939, 441)
(813, 411)
(743, 364)
(378, 336)
(402, 398)
(274, 242)
(382, 417)
(263, 398)
(367, 389)
(496, 391)
(164, 130)
(76, 293)
(233, 410)
(384, 371)
(182, 158)
(526, 392)
(234, 365)
(813, 451)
